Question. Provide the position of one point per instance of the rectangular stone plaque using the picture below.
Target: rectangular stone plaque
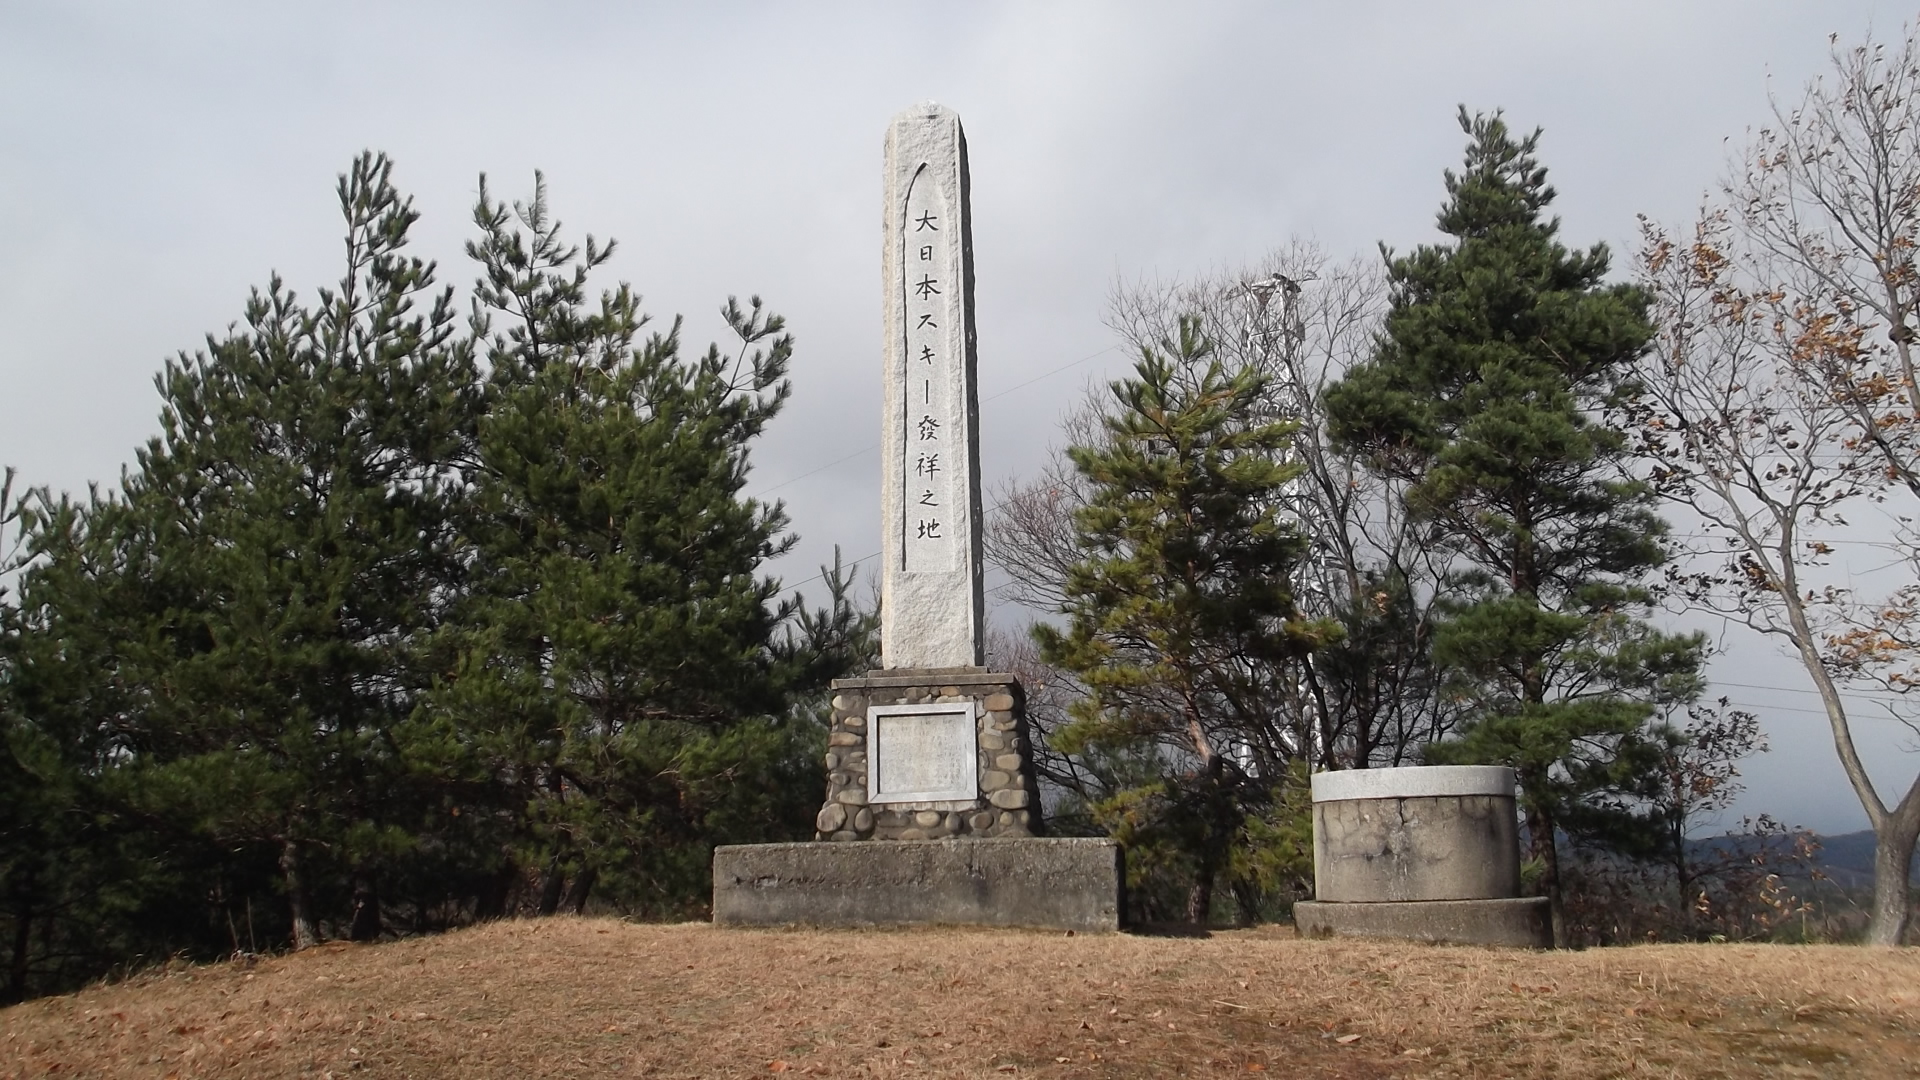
(922, 753)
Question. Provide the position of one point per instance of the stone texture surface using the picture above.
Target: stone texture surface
(932, 608)
(1053, 883)
(1449, 847)
(1004, 804)
(1517, 922)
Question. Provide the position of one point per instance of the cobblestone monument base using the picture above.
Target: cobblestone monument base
(929, 754)
(1051, 883)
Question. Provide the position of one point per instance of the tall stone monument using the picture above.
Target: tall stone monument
(931, 606)
(929, 767)
(931, 745)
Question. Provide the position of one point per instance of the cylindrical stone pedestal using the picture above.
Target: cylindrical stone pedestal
(1428, 853)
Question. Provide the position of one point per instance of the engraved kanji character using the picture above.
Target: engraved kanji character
(927, 222)
(929, 530)
(926, 464)
(926, 253)
(929, 429)
(926, 498)
(927, 286)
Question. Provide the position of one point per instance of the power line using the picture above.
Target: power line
(822, 575)
(1802, 542)
(1788, 708)
(870, 449)
(1864, 696)
(796, 479)
(1050, 374)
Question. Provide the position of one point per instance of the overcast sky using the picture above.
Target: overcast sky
(157, 161)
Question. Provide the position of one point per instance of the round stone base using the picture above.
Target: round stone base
(1524, 922)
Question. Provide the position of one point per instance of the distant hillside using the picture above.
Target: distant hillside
(1850, 856)
(1846, 858)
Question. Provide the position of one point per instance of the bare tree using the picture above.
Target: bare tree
(1301, 319)
(1781, 398)
(1029, 533)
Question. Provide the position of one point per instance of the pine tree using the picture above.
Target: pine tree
(370, 632)
(619, 647)
(1489, 392)
(252, 602)
(1180, 613)
(87, 882)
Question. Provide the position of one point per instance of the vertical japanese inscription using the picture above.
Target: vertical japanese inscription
(933, 515)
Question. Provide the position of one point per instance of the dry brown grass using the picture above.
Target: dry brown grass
(573, 997)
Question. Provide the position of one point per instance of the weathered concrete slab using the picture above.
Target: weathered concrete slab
(1522, 922)
(1057, 883)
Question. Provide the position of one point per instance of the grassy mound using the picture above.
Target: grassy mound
(594, 997)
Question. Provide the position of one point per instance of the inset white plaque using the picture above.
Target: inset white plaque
(922, 753)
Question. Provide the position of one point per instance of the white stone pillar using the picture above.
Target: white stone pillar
(931, 608)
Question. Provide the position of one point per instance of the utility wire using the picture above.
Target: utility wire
(822, 575)
(1864, 696)
(869, 449)
(1050, 374)
(1803, 541)
(796, 479)
(1792, 709)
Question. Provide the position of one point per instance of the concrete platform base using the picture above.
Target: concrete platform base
(1521, 923)
(1055, 883)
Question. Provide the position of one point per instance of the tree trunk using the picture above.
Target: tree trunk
(1200, 897)
(1541, 846)
(366, 909)
(1214, 841)
(306, 932)
(1893, 842)
(1674, 832)
(492, 901)
(576, 900)
(1249, 902)
(550, 888)
(22, 946)
(1893, 831)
